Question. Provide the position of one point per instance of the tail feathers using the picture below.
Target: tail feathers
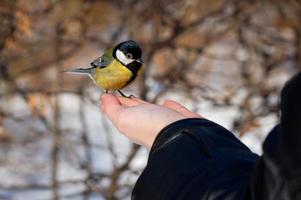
(87, 71)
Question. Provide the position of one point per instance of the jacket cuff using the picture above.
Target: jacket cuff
(175, 129)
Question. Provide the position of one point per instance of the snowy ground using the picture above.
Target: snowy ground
(27, 160)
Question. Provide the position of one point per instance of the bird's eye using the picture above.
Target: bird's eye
(129, 56)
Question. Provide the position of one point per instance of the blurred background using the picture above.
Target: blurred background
(225, 59)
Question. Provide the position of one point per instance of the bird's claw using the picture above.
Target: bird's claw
(130, 97)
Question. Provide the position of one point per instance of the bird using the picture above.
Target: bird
(116, 68)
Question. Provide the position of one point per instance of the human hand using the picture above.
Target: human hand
(139, 120)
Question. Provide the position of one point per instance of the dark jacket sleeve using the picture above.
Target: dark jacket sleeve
(278, 171)
(195, 159)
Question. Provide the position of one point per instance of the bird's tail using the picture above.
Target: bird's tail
(87, 71)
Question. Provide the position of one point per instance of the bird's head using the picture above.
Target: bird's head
(128, 52)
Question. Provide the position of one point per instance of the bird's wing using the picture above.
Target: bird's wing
(103, 60)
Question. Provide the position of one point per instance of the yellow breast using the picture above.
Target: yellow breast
(113, 77)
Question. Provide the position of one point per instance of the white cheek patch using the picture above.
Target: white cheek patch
(122, 58)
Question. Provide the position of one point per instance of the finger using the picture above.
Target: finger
(130, 101)
(179, 108)
(111, 106)
(139, 100)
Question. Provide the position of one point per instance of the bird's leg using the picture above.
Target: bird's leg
(121, 93)
(131, 96)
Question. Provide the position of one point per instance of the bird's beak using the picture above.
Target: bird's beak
(139, 60)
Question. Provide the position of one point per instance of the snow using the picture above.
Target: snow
(34, 156)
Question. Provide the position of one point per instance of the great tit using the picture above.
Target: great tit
(116, 68)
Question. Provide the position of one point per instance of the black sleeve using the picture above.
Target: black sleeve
(278, 171)
(195, 159)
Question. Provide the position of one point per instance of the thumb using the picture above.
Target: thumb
(111, 106)
(130, 101)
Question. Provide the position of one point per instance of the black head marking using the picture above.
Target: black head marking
(130, 48)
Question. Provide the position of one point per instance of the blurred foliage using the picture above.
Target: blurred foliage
(229, 53)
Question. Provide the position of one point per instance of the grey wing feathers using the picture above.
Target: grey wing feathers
(103, 60)
(100, 62)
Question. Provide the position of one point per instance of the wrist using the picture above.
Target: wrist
(170, 131)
